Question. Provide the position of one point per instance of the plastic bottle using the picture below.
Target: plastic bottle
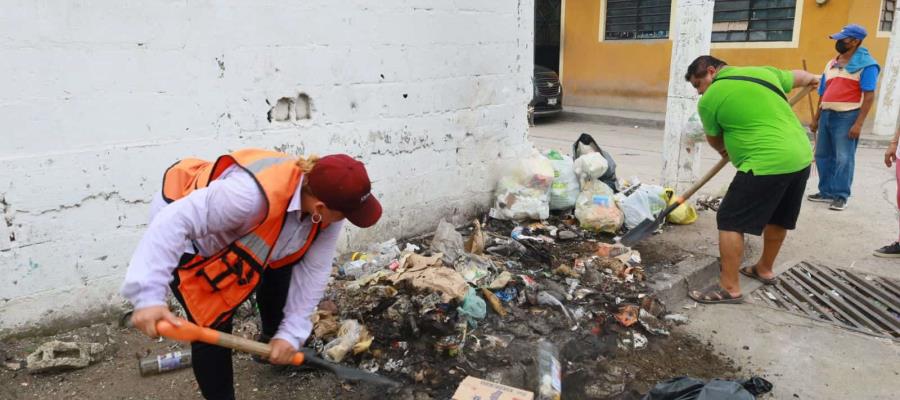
(549, 385)
(154, 365)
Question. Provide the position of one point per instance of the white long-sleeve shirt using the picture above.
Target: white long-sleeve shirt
(214, 217)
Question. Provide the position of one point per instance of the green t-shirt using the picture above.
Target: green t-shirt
(762, 133)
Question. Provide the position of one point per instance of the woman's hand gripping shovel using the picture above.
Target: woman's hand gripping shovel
(189, 332)
(648, 226)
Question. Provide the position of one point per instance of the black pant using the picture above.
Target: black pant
(212, 364)
(754, 201)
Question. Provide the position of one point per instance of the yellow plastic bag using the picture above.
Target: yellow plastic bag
(684, 214)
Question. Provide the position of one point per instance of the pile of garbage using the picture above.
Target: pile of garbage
(477, 305)
(539, 278)
(531, 188)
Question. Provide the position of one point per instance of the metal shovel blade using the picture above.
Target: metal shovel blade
(642, 231)
(346, 373)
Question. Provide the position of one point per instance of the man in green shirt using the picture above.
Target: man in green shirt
(747, 118)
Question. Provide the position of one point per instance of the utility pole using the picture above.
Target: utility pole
(690, 39)
(889, 95)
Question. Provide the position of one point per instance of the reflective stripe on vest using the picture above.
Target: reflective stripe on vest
(260, 165)
(256, 245)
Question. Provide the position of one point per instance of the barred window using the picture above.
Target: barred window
(637, 19)
(754, 20)
(887, 15)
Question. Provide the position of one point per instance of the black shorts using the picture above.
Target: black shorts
(752, 202)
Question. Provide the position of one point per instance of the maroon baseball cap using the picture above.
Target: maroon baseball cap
(343, 185)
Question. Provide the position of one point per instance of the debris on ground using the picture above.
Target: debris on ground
(523, 190)
(708, 203)
(678, 319)
(437, 319)
(474, 388)
(420, 315)
(684, 214)
(154, 365)
(55, 356)
(549, 377)
(685, 388)
(565, 187)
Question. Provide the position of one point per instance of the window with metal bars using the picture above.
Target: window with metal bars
(637, 19)
(753, 20)
(888, 9)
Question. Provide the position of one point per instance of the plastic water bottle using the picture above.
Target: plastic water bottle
(549, 385)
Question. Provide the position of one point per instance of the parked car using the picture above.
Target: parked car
(548, 94)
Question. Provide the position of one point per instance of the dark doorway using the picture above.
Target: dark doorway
(546, 33)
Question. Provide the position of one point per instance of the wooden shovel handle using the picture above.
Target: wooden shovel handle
(801, 94)
(680, 199)
(189, 332)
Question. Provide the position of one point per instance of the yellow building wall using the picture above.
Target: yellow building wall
(634, 74)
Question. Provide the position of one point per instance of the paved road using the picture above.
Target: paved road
(805, 359)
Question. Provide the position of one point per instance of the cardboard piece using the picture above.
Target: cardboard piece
(429, 274)
(473, 388)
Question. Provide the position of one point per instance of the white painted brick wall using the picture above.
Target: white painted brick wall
(99, 97)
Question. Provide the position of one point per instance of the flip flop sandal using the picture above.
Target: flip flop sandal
(750, 272)
(715, 296)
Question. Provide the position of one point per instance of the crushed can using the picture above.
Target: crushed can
(155, 365)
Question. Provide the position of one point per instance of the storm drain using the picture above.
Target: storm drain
(860, 302)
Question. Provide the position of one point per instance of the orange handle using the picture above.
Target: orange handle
(189, 332)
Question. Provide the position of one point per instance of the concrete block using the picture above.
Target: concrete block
(58, 356)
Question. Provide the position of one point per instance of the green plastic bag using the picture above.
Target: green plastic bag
(473, 308)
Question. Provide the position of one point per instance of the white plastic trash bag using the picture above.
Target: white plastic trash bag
(596, 209)
(693, 130)
(523, 191)
(565, 187)
(590, 167)
(646, 202)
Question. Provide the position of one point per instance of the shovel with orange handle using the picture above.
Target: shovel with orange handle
(189, 332)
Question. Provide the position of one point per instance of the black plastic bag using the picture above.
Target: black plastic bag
(757, 386)
(684, 388)
(586, 144)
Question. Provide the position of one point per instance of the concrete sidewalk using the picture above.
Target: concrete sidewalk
(804, 358)
(656, 120)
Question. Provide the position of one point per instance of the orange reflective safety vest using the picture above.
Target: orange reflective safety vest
(211, 288)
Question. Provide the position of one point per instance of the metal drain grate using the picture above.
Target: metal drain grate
(860, 302)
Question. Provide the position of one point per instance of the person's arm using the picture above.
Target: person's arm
(856, 129)
(803, 78)
(814, 125)
(868, 82)
(718, 144)
(309, 279)
(711, 126)
(890, 155)
(226, 205)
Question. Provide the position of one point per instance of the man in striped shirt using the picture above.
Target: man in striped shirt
(846, 94)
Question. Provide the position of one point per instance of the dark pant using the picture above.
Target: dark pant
(754, 201)
(836, 153)
(212, 364)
